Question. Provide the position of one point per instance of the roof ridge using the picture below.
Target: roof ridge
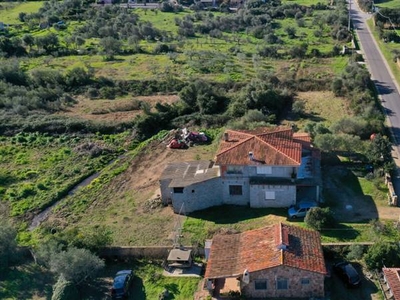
(273, 131)
(276, 149)
(235, 145)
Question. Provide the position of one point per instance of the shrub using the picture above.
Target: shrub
(8, 246)
(382, 254)
(64, 290)
(76, 265)
(356, 252)
(319, 218)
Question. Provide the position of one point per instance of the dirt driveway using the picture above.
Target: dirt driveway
(336, 290)
(351, 205)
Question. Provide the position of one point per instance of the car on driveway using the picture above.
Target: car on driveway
(348, 274)
(300, 209)
(121, 285)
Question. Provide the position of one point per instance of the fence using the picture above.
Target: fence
(392, 197)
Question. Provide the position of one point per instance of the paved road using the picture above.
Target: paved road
(384, 81)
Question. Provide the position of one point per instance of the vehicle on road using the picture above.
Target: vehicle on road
(348, 274)
(300, 209)
(121, 285)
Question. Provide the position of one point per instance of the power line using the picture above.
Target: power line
(391, 23)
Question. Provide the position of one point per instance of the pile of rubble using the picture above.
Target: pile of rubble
(153, 203)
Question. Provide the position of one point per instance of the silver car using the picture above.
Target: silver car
(300, 209)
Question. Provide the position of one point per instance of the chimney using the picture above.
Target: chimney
(251, 156)
(226, 137)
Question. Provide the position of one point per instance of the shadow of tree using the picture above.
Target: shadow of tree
(26, 281)
(229, 214)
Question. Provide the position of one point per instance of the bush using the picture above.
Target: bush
(76, 265)
(382, 254)
(319, 218)
(8, 246)
(356, 252)
(64, 290)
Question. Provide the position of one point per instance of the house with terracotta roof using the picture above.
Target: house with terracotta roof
(278, 261)
(266, 167)
(392, 281)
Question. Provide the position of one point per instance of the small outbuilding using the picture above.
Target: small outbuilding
(179, 258)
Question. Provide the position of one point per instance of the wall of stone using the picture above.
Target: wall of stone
(315, 288)
(154, 252)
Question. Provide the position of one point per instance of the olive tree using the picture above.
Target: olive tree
(318, 218)
(76, 265)
(382, 254)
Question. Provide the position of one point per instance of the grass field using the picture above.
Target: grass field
(30, 281)
(37, 170)
(393, 4)
(302, 2)
(9, 11)
(386, 49)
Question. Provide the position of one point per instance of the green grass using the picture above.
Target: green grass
(302, 2)
(386, 49)
(37, 170)
(393, 4)
(148, 282)
(212, 60)
(202, 225)
(9, 11)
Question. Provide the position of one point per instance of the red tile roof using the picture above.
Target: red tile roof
(264, 248)
(392, 276)
(276, 146)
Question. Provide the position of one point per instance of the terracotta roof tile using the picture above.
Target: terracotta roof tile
(392, 276)
(265, 248)
(275, 146)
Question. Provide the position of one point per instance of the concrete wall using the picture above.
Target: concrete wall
(285, 195)
(243, 199)
(198, 196)
(250, 171)
(165, 191)
(284, 172)
(315, 288)
(154, 252)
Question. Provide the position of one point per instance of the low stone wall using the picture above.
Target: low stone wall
(154, 252)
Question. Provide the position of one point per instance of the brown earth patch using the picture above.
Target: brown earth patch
(122, 203)
(113, 110)
(349, 206)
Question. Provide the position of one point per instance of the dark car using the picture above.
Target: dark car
(348, 274)
(121, 285)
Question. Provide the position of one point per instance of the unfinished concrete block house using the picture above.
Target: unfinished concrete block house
(267, 167)
(278, 261)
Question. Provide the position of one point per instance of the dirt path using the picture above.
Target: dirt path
(349, 206)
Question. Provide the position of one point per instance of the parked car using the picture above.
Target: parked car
(300, 209)
(121, 285)
(348, 274)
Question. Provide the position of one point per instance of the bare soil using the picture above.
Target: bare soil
(123, 203)
(349, 206)
(109, 110)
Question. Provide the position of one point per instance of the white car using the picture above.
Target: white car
(300, 209)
